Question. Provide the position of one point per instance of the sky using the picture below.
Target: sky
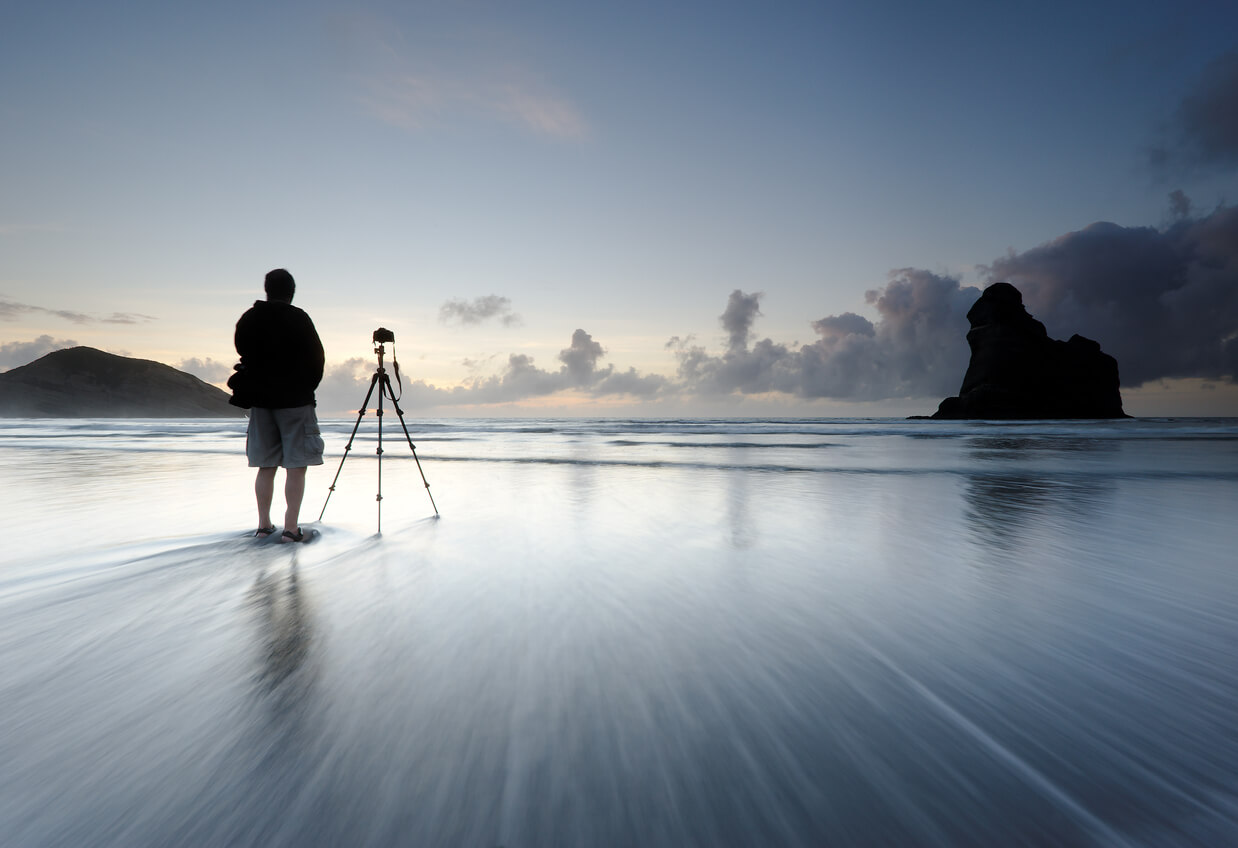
(683, 208)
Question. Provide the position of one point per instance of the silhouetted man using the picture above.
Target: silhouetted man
(282, 360)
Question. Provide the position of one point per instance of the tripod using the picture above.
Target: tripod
(383, 382)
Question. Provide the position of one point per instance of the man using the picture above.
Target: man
(282, 362)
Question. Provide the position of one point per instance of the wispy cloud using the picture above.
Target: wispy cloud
(479, 309)
(420, 101)
(419, 86)
(12, 311)
(126, 318)
(536, 109)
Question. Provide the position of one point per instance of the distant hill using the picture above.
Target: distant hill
(82, 382)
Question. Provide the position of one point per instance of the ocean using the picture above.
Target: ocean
(754, 632)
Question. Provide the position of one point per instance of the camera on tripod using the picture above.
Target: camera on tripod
(383, 335)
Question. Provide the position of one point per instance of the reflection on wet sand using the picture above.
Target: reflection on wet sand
(1002, 503)
(1018, 447)
(285, 634)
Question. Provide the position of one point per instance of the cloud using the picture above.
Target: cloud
(344, 386)
(436, 73)
(1203, 131)
(210, 370)
(1164, 302)
(537, 110)
(14, 354)
(581, 358)
(418, 101)
(1179, 205)
(521, 379)
(917, 349)
(127, 318)
(11, 311)
(840, 326)
(740, 314)
(479, 309)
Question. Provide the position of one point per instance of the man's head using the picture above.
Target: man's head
(280, 286)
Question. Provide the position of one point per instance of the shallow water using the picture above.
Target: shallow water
(865, 632)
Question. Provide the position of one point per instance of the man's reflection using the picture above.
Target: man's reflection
(285, 633)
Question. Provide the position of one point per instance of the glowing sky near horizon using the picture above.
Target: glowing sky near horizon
(489, 178)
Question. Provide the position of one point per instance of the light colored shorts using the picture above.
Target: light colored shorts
(287, 437)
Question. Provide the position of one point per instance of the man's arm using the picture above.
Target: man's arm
(315, 354)
(243, 338)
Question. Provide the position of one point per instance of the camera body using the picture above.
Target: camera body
(383, 335)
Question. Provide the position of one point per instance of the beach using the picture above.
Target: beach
(624, 632)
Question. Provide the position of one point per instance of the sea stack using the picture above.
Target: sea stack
(1018, 372)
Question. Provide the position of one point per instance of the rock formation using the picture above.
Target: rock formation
(82, 382)
(1018, 372)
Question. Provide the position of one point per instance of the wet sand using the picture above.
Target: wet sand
(958, 640)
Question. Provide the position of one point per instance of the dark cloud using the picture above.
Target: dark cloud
(1179, 205)
(1164, 302)
(1203, 132)
(14, 354)
(479, 309)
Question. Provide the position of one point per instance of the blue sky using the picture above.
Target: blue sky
(554, 204)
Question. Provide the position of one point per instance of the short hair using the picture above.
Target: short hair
(279, 285)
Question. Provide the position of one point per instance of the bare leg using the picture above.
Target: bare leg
(264, 491)
(294, 491)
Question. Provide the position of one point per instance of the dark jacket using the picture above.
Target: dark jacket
(281, 355)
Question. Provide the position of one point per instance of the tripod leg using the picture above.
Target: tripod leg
(381, 376)
(361, 414)
(400, 414)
